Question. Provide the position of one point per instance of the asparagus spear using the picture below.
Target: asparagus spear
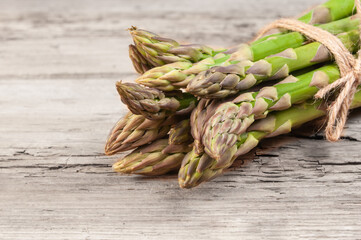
(233, 118)
(159, 157)
(154, 104)
(178, 74)
(199, 116)
(196, 169)
(132, 131)
(160, 51)
(219, 82)
(151, 50)
(140, 64)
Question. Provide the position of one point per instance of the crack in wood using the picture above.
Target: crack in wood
(323, 138)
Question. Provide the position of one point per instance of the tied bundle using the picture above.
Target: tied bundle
(349, 66)
(196, 109)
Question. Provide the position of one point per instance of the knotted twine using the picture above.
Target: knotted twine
(350, 70)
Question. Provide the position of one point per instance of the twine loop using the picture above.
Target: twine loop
(350, 71)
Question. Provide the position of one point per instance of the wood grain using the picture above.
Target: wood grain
(58, 64)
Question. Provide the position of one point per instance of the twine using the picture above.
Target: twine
(350, 71)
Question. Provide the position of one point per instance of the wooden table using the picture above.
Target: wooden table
(59, 61)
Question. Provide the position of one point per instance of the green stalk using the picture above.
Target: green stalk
(330, 11)
(194, 171)
(219, 82)
(177, 75)
(159, 157)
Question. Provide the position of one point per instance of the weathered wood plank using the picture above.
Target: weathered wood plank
(58, 64)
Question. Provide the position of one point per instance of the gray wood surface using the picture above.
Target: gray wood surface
(59, 61)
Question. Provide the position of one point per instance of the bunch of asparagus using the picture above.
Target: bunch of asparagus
(192, 110)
